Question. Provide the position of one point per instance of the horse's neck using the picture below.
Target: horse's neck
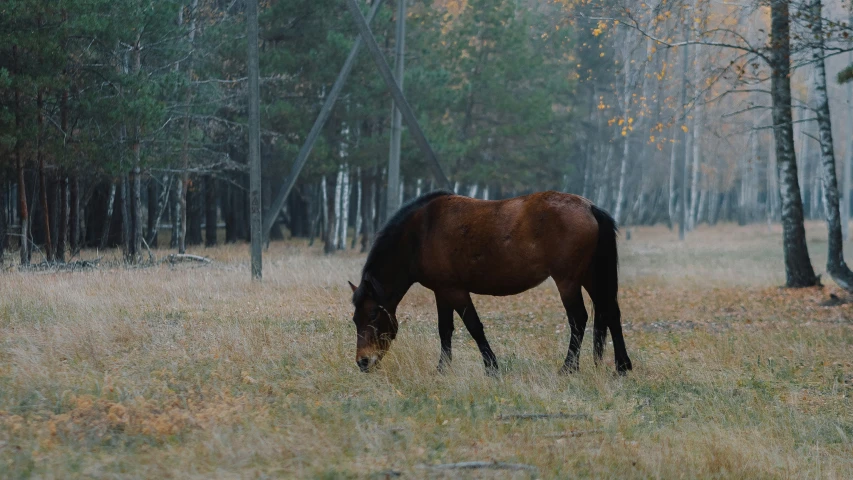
(395, 283)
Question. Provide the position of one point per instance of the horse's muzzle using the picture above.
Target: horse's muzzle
(364, 363)
(367, 363)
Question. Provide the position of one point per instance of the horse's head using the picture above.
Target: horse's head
(375, 323)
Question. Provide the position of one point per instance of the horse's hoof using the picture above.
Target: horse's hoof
(493, 372)
(623, 367)
(568, 369)
(442, 368)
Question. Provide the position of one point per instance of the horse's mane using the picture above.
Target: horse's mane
(388, 239)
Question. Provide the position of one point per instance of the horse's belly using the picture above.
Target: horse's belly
(499, 277)
(504, 288)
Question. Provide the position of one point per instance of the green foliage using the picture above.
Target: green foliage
(492, 86)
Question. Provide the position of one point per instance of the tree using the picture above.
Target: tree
(798, 267)
(835, 264)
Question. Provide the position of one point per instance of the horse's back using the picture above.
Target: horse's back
(503, 247)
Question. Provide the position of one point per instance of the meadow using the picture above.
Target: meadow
(194, 371)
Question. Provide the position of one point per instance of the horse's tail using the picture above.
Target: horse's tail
(605, 283)
(605, 262)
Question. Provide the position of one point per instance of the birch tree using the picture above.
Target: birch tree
(835, 264)
(798, 267)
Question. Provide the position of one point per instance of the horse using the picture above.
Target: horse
(455, 246)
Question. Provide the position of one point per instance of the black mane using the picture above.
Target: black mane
(388, 238)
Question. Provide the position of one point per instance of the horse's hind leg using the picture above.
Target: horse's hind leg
(465, 308)
(576, 312)
(623, 363)
(445, 331)
(601, 309)
(608, 315)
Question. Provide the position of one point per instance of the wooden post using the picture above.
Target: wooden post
(254, 139)
(396, 116)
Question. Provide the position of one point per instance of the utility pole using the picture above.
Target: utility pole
(254, 138)
(848, 160)
(396, 117)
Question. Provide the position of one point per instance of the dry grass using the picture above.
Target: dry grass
(195, 372)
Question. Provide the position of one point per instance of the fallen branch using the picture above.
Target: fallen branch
(475, 465)
(540, 416)
(576, 433)
(151, 258)
(181, 257)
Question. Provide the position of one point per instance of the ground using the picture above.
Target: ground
(194, 371)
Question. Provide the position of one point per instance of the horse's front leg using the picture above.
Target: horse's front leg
(475, 328)
(445, 332)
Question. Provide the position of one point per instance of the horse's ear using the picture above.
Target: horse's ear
(376, 287)
(353, 287)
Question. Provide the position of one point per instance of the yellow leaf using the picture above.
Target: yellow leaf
(684, 128)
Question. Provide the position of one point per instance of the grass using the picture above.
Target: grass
(195, 372)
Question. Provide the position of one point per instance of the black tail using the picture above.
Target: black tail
(605, 278)
(606, 260)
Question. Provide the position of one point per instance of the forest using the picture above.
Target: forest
(122, 120)
(145, 145)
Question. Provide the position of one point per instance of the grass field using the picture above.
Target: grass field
(195, 372)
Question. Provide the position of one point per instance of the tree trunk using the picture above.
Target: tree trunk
(153, 211)
(472, 191)
(369, 212)
(194, 198)
(135, 220)
(54, 190)
(178, 215)
(134, 244)
(358, 202)
(672, 207)
(328, 219)
(62, 233)
(74, 216)
(626, 134)
(228, 214)
(105, 234)
(698, 122)
(161, 202)
(798, 267)
(124, 204)
(345, 197)
(336, 208)
(835, 264)
(23, 211)
(682, 193)
(48, 246)
(3, 222)
(210, 211)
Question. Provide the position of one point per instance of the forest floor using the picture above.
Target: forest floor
(193, 371)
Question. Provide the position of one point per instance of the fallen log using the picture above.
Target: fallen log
(481, 464)
(185, 257)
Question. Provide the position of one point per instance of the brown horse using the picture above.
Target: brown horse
(456, 246)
